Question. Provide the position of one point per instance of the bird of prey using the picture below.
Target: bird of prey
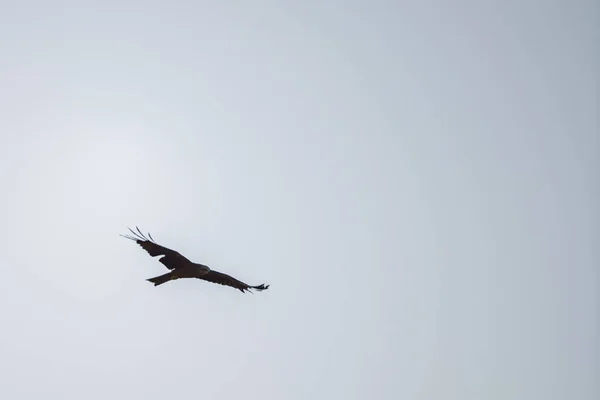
(181, 267)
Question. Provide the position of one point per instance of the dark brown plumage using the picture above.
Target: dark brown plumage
(181, 267)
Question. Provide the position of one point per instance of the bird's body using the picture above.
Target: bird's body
(181, 267)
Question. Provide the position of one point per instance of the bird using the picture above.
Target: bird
(181, 267)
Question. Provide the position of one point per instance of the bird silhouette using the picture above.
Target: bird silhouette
(181, 267)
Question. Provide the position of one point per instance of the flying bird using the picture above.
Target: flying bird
(181, 267)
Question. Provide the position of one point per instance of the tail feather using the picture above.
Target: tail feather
(159, 280)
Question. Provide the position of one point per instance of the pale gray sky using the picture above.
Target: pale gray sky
(418, 181)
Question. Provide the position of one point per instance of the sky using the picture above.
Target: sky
(416, 180)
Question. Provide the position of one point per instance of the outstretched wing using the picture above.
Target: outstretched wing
(226, 280)
(172, 259)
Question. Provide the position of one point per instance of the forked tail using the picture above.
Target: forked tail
(159, 280)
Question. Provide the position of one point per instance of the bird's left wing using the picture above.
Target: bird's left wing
(172, 259)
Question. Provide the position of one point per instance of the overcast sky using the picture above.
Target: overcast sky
(418, 182)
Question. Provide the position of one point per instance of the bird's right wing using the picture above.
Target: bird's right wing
(172, 259)
(227, 280)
